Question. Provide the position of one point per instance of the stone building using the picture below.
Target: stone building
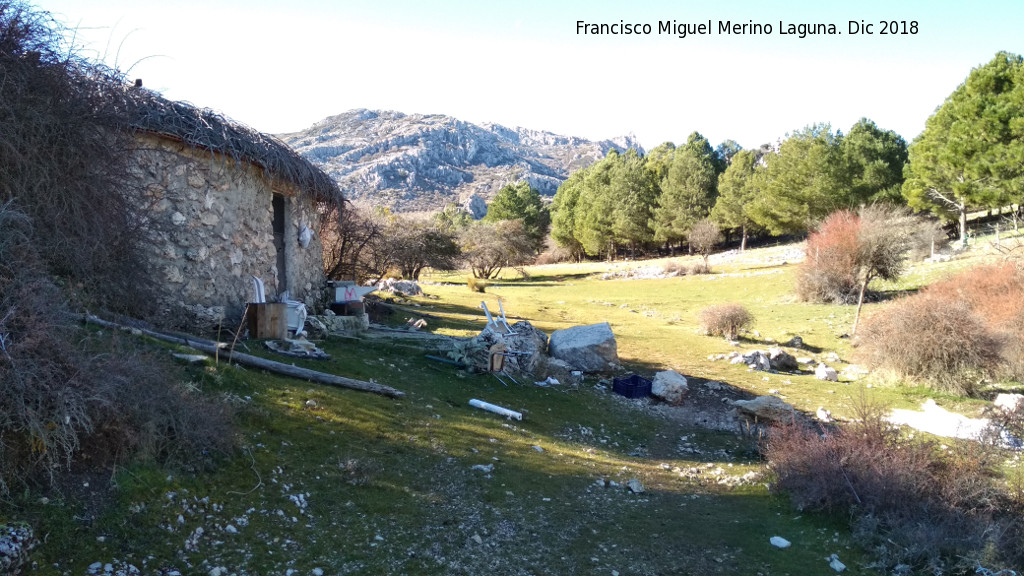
(225, 203)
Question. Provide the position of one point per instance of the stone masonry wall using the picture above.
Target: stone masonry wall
(214, 221)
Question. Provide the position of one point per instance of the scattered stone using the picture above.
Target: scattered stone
(231, 529)
(311, 404)
(537, 448)
(16, 540)
(832, 357)
(587, 348)
(835, 564)
(488, 468)
(317, 572)
(670, 386)
(757, 360)
(805, 360)
(769, 408)
(635, 486)
(823, 372)
(794, 342)
(1009, 402)
(713, 385)
(781, 360)
(400, 287)
(315, 328)
(476, 538)
(779, 542)
(823, 414)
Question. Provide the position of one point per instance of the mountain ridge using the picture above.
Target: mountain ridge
(420, 162)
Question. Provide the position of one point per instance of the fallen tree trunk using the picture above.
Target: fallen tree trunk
(219, 349)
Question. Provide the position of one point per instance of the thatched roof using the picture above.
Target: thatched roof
(208, 130)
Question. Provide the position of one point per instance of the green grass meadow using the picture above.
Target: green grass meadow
(353, 483)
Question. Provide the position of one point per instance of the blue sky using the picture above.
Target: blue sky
(281, 65)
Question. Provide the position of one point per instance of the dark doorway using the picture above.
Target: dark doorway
(279, 228)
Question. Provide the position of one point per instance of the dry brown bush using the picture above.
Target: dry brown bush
(909, 501)
(955, 333)
(725, 320)
(64, 152)
(931, 340)
(554, 253)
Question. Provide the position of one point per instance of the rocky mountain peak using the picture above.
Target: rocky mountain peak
(415, 162)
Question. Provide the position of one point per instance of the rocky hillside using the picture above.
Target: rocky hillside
(422, 162)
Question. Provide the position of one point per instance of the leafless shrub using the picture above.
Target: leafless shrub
(63, 148)
(489, 247)
(364, 244)
(476, 284)
(44, 395)
(931, 340)
(554, 253)
(927, 236)
(698, 268)
(909, 501)
(953, 334)
(725, 320)
(703, 238)
(147, 412)
(849, 250)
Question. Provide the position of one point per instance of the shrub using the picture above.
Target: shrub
(476, 284)
(954, 333)
(698, 268)
(850, 250)
(828, 274)
(703, 238)
(725, 320)
(62, 143)
(935, 341)
(64, 392)
(909, 501)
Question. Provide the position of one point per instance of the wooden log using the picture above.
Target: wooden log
(211, 347)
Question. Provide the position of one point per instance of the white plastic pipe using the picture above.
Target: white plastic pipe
(495, 408)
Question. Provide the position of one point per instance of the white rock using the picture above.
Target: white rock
(231, 529)
(1009, 402)
(823, 414)
(635, 486)
(483, 467)
(587, 348)
(318, 572)
(835, 564)
(670, 386)
(769, 408)
(823, 372)
(779, 542)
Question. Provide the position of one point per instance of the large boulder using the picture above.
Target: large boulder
(782, 360)
(476, 206)
(766, 408)
(587, 348)
(670, 386)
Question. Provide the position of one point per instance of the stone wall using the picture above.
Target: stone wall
(213, 219)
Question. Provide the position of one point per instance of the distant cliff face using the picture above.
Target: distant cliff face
(422, 162)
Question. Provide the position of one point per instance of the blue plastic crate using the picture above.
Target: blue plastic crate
(632, 386)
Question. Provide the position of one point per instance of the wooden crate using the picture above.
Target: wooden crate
(268, 321)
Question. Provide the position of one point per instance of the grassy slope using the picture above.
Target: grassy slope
(389, 485)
